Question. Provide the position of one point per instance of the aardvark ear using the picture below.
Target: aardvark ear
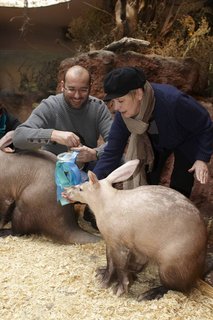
(124, 172)
(92, 178)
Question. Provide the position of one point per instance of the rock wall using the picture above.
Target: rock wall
(185, 74)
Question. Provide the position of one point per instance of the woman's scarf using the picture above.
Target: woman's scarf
(139, 146)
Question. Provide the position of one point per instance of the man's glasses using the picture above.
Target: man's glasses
(81, 91)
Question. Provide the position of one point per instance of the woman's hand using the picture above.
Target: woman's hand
(201, 171)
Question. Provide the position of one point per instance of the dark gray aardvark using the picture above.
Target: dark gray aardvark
(28, 199)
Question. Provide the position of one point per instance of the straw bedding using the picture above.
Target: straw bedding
(44, 280)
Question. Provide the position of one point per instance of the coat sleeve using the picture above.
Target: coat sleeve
(113, 152)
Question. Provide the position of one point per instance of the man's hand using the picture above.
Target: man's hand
(8, 150)
(66, 138)
(201, 171)
(85, 154)
(6, 140)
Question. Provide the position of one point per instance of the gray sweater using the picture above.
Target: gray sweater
(90, 121)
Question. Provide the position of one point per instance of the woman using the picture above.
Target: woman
(156, 120)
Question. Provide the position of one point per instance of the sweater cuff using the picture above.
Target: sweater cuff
(43, 137)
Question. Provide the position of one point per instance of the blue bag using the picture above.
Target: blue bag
(67, 173)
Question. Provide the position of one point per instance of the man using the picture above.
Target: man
(61, 121)
(159, 120)
(68, 120)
